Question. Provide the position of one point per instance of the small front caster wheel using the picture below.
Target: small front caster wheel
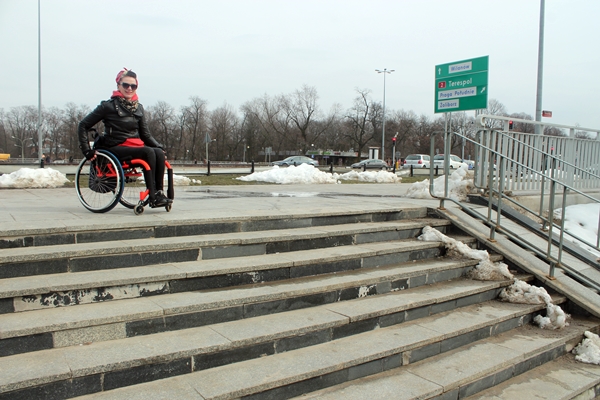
(139, 209)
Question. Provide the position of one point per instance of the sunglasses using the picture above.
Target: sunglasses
(127, 86)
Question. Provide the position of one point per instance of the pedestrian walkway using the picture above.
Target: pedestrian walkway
(59, 209)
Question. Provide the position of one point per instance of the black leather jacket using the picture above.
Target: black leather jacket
(120, 124)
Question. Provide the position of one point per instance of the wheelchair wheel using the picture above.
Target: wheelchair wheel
(133, 185)
(99, 183)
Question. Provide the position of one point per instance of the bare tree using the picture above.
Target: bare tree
(161, 119)
(522, 127)
(360, 127)
(406, 124)
(494, 108)
(276, 128)
(194, 118)
(303, 111)
(223, 127)
(22, 125)
(54, 121)
(3, 132)
(71, 117)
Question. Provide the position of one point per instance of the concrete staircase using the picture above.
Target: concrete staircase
(318, 306)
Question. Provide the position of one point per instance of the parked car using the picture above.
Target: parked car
(296, 160)
(370, 164)
(417, 161)
(455, 161)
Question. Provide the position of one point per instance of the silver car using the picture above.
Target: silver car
(417, 161)
(455, 161)
(296, 160)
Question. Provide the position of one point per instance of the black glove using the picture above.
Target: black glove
(89, 153)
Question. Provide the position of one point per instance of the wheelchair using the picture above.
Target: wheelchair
(106, 181)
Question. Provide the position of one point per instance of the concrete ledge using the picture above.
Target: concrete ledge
(257, 300)
(284, 375)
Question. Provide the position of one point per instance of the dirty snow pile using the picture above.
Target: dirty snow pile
(459, 186)
(33, 178)
(486, 270)
(50, 178)
(371, 176)
(523, 293)
(518, 292)
(303, 173)
(581, 220)
(588, 351)
(307, 174)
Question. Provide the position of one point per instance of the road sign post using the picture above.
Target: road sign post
(461, 85)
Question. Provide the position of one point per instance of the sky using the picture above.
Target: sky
(228, 52)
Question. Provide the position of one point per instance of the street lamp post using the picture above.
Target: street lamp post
(384, 72)
(39, 125)
(244, 156)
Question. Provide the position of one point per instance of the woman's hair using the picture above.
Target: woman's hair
(126, 72)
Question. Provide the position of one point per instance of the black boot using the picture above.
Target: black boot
(160, 200)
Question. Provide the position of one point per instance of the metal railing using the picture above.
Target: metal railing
(506, 161)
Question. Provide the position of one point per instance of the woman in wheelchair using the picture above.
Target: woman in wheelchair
(126, 135)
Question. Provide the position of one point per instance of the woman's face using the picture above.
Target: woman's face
(127, 87)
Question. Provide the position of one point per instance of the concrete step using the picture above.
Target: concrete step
(334, 352)
(130, 230)
(421, 352)
(560, 379)
(68, 326)
(471, 369)
(68, 289)
(27, 261)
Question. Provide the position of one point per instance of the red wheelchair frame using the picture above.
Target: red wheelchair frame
(106, 181)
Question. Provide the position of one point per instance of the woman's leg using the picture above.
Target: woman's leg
(159, 171)
(145, 153)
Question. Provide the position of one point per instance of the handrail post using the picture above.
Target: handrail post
(500, 194)
(551, 210)
(562, 226)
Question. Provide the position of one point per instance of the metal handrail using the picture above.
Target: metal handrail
(494, 184)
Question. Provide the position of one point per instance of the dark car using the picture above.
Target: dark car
(296, 160)
(371, 164)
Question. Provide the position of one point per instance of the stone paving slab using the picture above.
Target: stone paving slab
(419, 297)
(33, 322)
(449, 372)
(128, 353)
(258, 375)
(183, 242)
(44, 210)
(560, 379)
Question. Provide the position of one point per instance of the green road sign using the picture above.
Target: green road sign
(461, 85)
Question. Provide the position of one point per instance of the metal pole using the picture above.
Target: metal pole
(538, 100)
(385, 71)
(39, 127)
(383, 130)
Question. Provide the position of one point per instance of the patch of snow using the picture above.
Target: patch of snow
(588, 351)
(303, 173)
(485, 270)
(371, 176)
(581, 220)
(33, 178)
(459, 186)
(555, 318)
(518, 292)
(523, 293)
(307, 174)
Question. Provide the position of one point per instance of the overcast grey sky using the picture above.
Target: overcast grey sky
(232, 51)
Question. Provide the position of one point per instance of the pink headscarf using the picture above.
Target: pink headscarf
(124, 71)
